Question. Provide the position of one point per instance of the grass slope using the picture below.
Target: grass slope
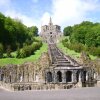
(68, 51)
(72, 53)
(34, 57)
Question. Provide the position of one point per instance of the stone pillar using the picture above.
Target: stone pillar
(63, 76)
(25, 74)
(21, 78)
(80, 79)
(55, 77)
(36, 78)
(30, 74)
(87, 77)
(95, 76)
(73, 76)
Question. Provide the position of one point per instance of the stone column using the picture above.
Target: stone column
(34, 75)
(55, 77)
(80, 79)
(25, 74)
(95, 76)
(63, 76)
(79, 84)
(87, 77)
(73, 76)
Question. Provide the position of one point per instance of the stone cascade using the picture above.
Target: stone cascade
(59, 58)
(52, 71)
(64, 69)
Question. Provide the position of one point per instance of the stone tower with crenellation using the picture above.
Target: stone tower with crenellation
(51, 33)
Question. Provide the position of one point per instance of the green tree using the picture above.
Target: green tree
(33, 31)
(67, 31)
(1, 50)
(85, 36)
(8, 51)
(2, 30)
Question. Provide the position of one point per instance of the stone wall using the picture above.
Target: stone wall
(29, 72)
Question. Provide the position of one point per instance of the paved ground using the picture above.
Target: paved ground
(69, 94)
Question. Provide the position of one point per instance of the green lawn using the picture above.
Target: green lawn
(34, 57)
(67, 51)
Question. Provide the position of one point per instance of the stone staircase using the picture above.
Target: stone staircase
(59, 59)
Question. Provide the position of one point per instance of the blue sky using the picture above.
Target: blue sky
(63, 12)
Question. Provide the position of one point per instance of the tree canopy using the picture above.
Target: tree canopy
(14, 33)
(85, 34)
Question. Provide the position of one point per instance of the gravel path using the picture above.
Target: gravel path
(69, 94)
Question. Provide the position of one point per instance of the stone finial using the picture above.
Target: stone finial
(50, 22)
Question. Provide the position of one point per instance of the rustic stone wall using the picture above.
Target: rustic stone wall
(26, 72)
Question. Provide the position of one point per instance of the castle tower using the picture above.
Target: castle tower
(50, 21)
(51, 33)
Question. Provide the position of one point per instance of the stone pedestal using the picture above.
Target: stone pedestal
(79, 84)
(98, 83)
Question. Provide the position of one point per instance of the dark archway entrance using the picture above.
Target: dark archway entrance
(77, 76)
(59, 76)
(10, 78)
(49, 77)
(84, 76)
(2, 77)
(68, 76)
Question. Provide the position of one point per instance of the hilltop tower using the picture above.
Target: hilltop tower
(51, 33)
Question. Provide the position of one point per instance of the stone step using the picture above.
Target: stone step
(63, 62)
(69, 65)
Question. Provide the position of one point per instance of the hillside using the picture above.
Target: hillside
(18, 43)
(83, 37)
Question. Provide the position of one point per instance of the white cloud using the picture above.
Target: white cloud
(63, 12)
(69, 12)
(25, 19)
(10, 11)
(4, 2)
(45, 18)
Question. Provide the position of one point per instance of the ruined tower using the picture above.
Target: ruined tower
(51, 33)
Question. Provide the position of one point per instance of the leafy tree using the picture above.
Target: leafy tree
(33, 31)
(8, 51)
(2, 30)
(67, 31)
(85, 36)
(1, 50)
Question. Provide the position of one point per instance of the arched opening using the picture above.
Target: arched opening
(10, 78)
(29, 87)
(18, 88)
(77, 76)
(20, 78)
(2, 77)
(84, 76)
(50, 32)
(49, 77)
(68, 76)
(59, 76)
